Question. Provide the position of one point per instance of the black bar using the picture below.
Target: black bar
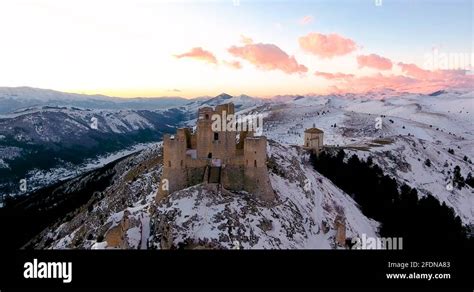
(235, 268)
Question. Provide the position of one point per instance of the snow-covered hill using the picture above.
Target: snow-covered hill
(45, 95)
(241, 103)
(126, 215)
(413, 128)
(57, 123)
(36, 143)
(15, 98)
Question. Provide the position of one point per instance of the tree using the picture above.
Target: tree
(458, 179)
(399, 210)
(370, 160)
(470, 180)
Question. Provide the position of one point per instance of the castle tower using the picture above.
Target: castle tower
(204, 134)
(224, 141)
(256, 178)
(174, 162)
(218, 142)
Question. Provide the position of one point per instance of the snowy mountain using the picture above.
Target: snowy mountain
(241, 102)
(39, 139)
(413, 129)
(15, 98)
(400, 133)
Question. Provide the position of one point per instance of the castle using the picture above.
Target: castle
(227, 158)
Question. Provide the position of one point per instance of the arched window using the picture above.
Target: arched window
(255, 163)
(216, 136)
(207, 116)
(169, 163)
(209, 155)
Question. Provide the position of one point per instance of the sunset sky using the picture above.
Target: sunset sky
(260, 48)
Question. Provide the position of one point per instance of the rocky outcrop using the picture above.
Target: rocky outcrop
(340, 226)
(117, 236)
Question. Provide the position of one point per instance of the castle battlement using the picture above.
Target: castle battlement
(214, 155)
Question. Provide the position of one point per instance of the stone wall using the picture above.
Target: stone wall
(232, 177)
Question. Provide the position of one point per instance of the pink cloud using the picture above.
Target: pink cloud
(410, 84)
(416, 72)
(374, 61)
(326, 46)
(233, 64)
(400, 83)
(438, 78)
(334, 76)
(268, 57)
(354, 84)
(379, 81)
(199, 53)
(306, 20)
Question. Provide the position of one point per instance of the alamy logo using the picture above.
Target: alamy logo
(94, 123)
(232, 123)
(368, 242)
(378, 123)
(48, 270)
